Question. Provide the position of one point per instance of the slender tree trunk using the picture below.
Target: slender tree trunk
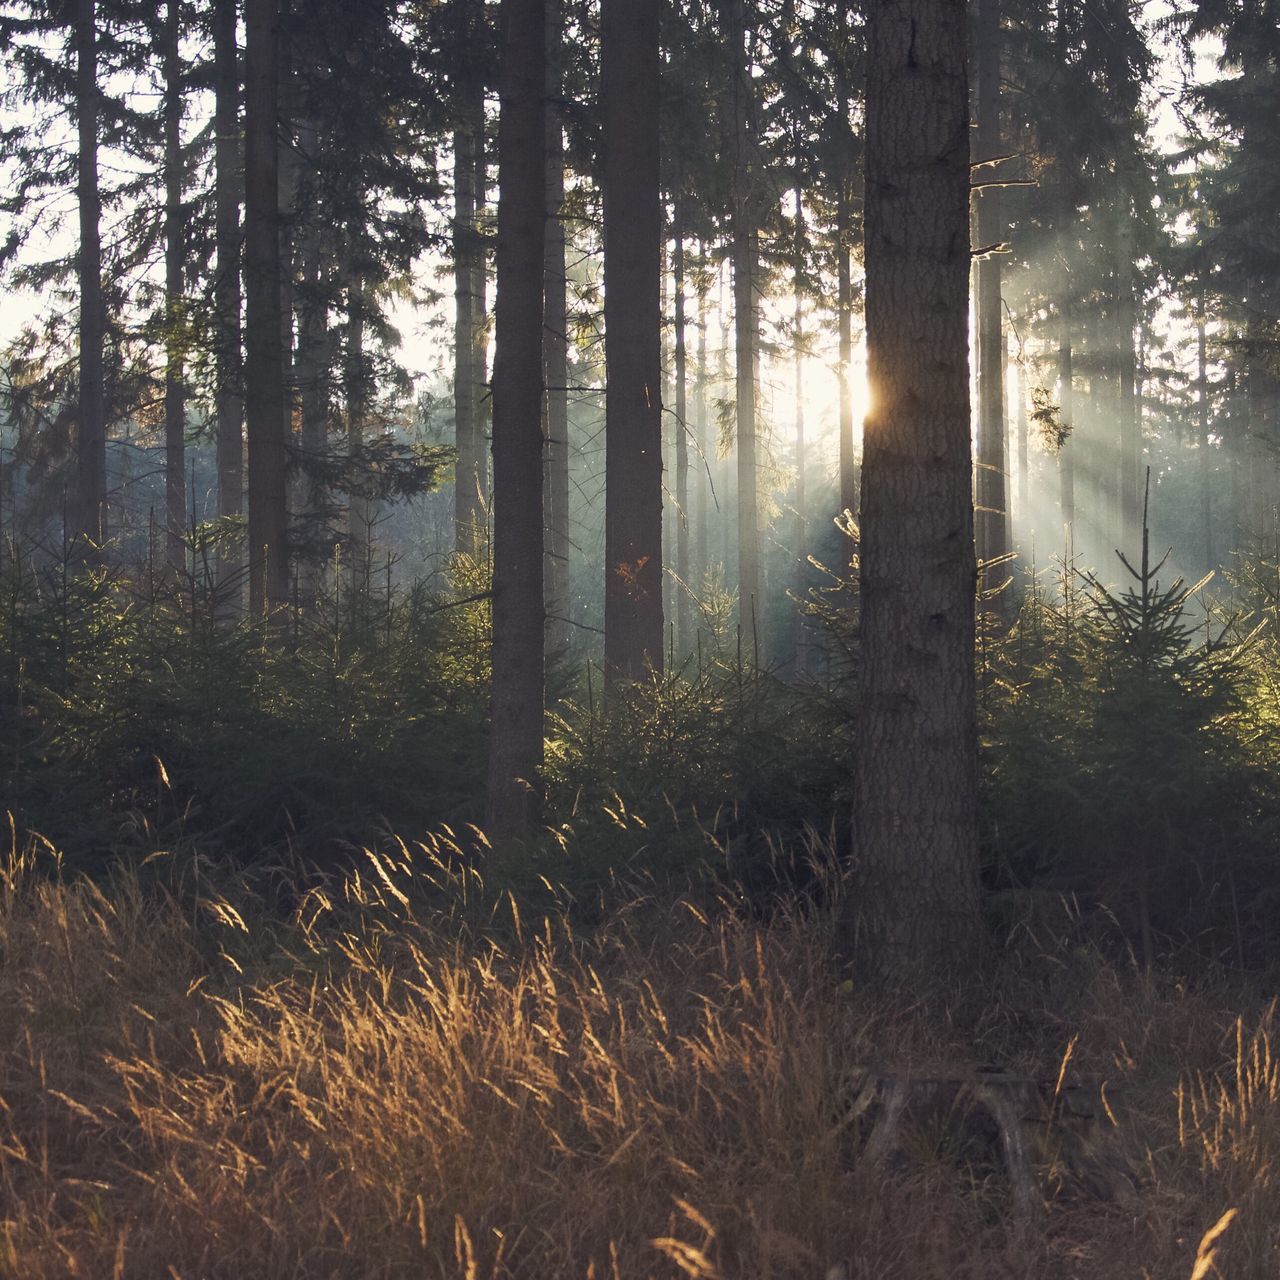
(90, 508)
(800, 646)
(480, 308)
(175, 394)
(992, 513)
(356, 395)
(556, 350)
(515, 736)
(744, 312)
(556, 354)
(915, 783)
(1024, 457)
(228, 393)
(312, 367)
(288, 176)
(844, 325)
(468, 260)
(264, 360)
(701, 445)
(633, 326)
(1130, 435)
(1202, 430)
(1066, 420)
(682, 438)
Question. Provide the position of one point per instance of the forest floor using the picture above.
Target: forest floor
(396, 1074)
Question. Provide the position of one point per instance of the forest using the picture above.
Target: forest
(640, 638)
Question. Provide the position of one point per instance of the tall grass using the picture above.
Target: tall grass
(403, 1076)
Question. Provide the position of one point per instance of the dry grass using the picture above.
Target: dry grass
(191, 1086)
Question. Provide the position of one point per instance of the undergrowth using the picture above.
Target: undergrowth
(405, 1075)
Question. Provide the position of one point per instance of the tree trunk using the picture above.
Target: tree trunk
(800, 647)
(1130, 434)
(228, 392)
(915, 909)
(744, 320)
(556, 355)
(468, 261)
(1202, 431)
(633, 326)
(515, 735)
(682, 440)
(701, 445)
(355, 389)
(175, 396)
(1066, 421)
(844, 325)
(264, 368)
(90, 508)
(1026, 530)
(991, 516)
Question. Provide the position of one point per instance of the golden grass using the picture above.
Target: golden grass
(403, 1078)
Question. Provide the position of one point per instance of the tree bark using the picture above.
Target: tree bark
(1202, 430)
(556, 355)
(745, 255)
(844, 325)
(468, 259)
(264, 359)
(992, 514)
(633, 641)
(175, 394)
(682, 438)
(90, 508)
(915, 907)
(515, 736)
(701, 445)
(1130, 434)
(228, 393)
(800, 646)
(356, 395)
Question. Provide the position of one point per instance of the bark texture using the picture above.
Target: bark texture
(229, 371)
(89, 511)
(633, 327)
(915, 904)
(175, 393)
(264, 367)
(515, 737)
(992, 515)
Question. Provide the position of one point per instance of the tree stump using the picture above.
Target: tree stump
(1046, 1136)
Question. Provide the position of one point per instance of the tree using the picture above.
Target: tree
(515, 735)
(915, 835)
(633, 319)
(264, 362)
(228, 370)
(175, 392)
(90, 509)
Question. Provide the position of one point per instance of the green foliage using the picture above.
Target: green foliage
(136, 717)
(1122, 761)
(717, 770)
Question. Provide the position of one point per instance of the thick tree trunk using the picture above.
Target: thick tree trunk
(992, 514)
(90, 508)
(633, 640)
(228, 393)
(515, 736)
(1024, 457)
(745, 254)
(915, 907)
(175, 394)
(682, 440)
(556, 355)
(264, 358)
